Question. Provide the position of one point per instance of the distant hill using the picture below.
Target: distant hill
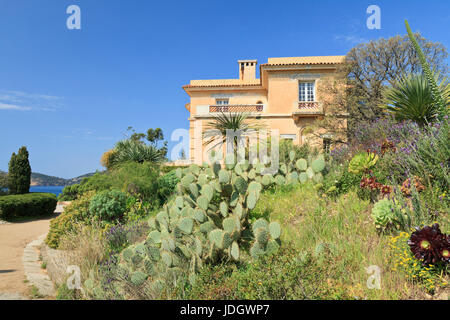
(78, 179)
(39, 179)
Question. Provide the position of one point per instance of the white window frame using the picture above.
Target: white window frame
(304, 84)
(222, 102)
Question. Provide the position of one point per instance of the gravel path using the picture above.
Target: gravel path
(19, 258)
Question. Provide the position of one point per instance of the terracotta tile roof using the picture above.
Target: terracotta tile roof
(304, 60)
(223, 83)
(271, 62)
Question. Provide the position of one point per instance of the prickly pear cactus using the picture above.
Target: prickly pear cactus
(207, 221)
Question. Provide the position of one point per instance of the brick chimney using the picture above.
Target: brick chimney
(247, 69)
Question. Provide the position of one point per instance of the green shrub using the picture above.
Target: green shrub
(339, 180)
(166, 185)
(141, 177)
(71, 192)
(27, 205)
(108, 205)
(75, 212)
(166, 169)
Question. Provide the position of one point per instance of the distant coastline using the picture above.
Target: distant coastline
(39, 179)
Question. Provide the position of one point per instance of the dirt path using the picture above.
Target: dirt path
(13, 239)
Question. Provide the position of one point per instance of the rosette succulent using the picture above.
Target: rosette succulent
(362, 162)
(430, 245)
(383, 213)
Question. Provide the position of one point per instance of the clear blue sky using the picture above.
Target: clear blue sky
(69, 95)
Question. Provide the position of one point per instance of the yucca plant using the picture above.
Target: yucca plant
(232, 121)
(131, 150)
(436, 93)
(411, 98)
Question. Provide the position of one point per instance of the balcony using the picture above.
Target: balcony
(236, 108)
(310, 109)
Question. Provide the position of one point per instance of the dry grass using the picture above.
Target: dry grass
(345, 228)
(87, 247)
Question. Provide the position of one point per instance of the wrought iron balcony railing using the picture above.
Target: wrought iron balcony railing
(236, 108)
(309, 108)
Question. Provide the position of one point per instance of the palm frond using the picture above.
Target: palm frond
(229, 121)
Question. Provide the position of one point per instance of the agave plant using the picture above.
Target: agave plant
(430, 245)
(224, 122)
(411, 98)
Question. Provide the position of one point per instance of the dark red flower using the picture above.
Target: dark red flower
(430, 245)
(386, 189)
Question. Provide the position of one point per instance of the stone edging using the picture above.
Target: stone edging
(33, 270)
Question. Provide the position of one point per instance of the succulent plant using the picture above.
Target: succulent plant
(208, 219)
(387, 146)
(430, 245)
(362, 162)
(406, 186)
(383, 213)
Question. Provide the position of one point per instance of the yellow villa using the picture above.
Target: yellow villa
(285, 97)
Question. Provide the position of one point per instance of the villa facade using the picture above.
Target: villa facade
(285, 97)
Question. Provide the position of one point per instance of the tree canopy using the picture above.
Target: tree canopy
(19, 172)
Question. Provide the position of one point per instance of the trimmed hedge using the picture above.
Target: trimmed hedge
(27, 205)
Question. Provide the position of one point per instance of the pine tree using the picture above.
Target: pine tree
(19, 175)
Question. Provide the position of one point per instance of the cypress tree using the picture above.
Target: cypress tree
(19, 172)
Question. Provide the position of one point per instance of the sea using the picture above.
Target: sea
(49, 189)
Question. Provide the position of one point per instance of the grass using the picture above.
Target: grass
(343, 232)
(35, 293)
(328, 244)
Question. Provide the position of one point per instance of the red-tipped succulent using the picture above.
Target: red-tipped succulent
(430, 245)
(387, 146)
(386, 189)
(406, 186)
(373, 184)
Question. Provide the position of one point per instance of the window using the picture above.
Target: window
(221, 102)
(306, 91)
